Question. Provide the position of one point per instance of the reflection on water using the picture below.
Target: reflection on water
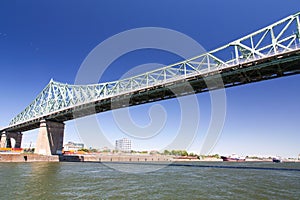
(177, 181)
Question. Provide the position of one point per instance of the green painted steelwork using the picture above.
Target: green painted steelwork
(274, 40)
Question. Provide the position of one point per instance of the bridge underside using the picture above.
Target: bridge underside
(272, 67)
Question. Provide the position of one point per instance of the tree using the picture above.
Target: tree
(166, 152)
(184, 153)
(85, 150)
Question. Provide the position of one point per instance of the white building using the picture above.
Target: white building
(72, 146)
(123, 145)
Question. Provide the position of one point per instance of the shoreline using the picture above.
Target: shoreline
(13, 157)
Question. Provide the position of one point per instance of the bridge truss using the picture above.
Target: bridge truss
(270, 52)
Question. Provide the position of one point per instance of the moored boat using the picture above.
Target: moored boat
(277, 160)
(233, 158)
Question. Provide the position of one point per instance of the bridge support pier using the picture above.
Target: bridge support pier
(6, 139)
(50, 138)
(2, 140)
(15, 135)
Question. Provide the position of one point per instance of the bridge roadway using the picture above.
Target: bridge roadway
(275, 66)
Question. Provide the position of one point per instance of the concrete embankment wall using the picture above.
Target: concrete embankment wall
(84, 158)
(115, 158)
(27, 158)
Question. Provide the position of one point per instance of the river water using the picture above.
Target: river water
(184, 180)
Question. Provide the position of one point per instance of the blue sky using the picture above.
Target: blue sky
(40, 40)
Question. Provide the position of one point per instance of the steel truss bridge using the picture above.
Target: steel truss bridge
(271, 52)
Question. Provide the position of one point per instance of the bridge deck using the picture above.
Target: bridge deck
(279, 65)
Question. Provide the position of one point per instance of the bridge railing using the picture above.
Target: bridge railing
(279, 37)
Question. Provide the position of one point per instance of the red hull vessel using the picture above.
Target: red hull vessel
(233, 159)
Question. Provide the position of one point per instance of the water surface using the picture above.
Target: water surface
(198, 180)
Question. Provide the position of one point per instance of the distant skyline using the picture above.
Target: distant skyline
(51, 39)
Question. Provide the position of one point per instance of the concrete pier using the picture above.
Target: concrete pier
(50, 138)
(17, 136)
(2, 140)
(6, 140)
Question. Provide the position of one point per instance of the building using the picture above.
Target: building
(72, 146)
(123, 145)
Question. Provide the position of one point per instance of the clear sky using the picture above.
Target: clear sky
(40, 40)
